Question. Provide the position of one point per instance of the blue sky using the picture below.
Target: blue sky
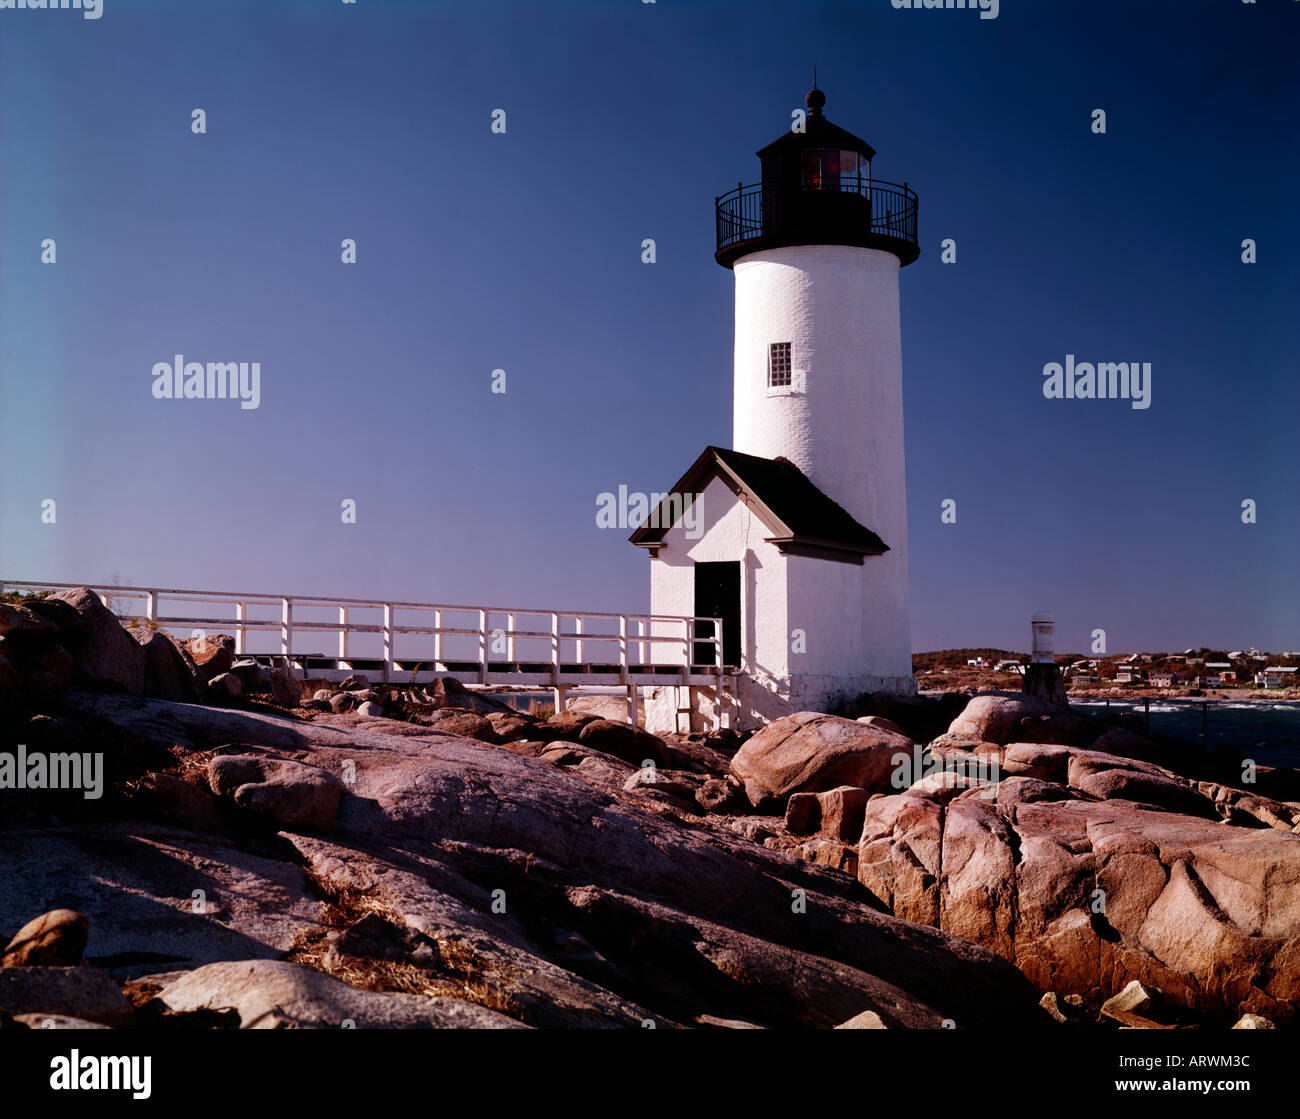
(522, 252)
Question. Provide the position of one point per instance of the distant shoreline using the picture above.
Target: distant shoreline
(1220, 695)
(1244, 695)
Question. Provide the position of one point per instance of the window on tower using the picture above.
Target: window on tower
(778, 365)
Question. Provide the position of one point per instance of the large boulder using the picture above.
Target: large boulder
(288, 792)
(622, 740)
(54, 939)
(15, 618)
(512, 727)
(103, 650)
(811, 752)
(836, 813)
(1003, 717)
(567, 725)
(167, 674)
(452, 720)
(212, 653)
(611, 707)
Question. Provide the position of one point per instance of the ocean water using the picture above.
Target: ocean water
(1268, 733)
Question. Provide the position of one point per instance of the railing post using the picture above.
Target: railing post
(286, 627)
(482, 647)
(622, 648)
(151, 606)
(510, 638)
(555, 648)
(388, 640)
(717, 646)
(437, 639)
(343, 633)
(241, 633)
(578, 628)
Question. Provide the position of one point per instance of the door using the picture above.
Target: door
(717, 595)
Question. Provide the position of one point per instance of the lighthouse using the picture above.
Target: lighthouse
(800, 535)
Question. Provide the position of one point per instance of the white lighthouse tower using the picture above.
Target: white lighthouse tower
(800, 539)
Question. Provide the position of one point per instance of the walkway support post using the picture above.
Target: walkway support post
(388, 640)
(286, 627)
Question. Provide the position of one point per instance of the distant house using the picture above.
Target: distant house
(1085, 681)
(1280, 677)
(1164, 680)
(1007, 666)
(1133, 658)
(1217, 666)
(1130, 674)
(1195, 660)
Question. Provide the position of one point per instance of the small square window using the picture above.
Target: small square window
(778, 365)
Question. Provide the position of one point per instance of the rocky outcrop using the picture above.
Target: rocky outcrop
(1095, 871)
(533, 890)
(275, 995)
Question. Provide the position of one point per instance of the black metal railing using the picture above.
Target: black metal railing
(859, 209)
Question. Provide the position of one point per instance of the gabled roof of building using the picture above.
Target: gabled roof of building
(800, 517)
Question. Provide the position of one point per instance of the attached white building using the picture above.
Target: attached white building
(803, 545)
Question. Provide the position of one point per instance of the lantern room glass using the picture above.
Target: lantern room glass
(835, 169)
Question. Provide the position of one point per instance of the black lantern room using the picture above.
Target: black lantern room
(817, 189)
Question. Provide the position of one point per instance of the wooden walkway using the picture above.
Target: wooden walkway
(419, 642)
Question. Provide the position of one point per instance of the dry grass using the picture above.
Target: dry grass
(460, 973)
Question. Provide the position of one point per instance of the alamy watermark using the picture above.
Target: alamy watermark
(90, 9)
(1107, 380)
(988, 9)
(658, 510)
(218, 380)
(53, 771)
(91, 1073)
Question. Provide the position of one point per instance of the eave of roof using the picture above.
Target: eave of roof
(801, 518)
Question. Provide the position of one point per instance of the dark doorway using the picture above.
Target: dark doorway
(717, 594)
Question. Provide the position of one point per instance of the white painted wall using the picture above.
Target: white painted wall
(729, 532)
(842, 424)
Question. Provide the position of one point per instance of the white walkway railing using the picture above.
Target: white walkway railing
(420, 641)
